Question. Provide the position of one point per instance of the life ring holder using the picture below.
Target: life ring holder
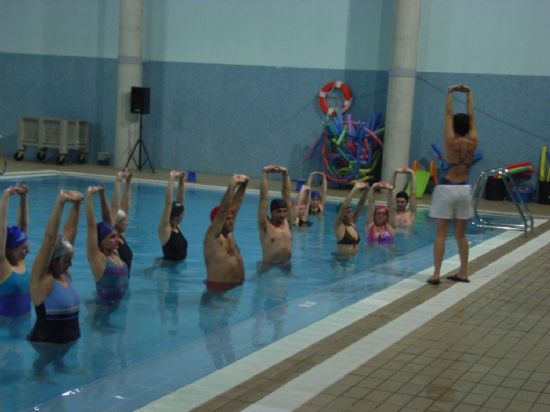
(327, 89)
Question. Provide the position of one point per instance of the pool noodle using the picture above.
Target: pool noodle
(542, 169)
(422, 180)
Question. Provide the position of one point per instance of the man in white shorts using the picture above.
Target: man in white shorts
(451, 198)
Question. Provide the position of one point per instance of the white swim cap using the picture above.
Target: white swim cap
(62, 247)
(120, 214)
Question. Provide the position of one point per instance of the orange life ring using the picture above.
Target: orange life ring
(329, 87)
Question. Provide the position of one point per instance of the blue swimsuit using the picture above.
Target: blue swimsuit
(15, 297)
(113, 283)
(57, 316)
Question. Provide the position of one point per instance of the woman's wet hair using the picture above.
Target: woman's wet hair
(461, 124)
(177, 209)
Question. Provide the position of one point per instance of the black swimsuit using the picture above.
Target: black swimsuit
(125, 252)
(348, 239)
(176, 247)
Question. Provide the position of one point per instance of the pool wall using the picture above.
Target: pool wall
(243, 76)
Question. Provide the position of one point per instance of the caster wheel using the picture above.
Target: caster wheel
(81, 158)
(18, 156)
(60, 160)
(41, 155)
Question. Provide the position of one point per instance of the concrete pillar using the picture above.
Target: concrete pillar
(129, 74)
(401, 85)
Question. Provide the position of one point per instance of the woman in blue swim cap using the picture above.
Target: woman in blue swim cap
(318, 199)
(15, 297)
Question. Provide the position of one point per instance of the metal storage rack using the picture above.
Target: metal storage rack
(51, 133)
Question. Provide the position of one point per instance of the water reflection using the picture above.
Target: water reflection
(15, 327)
(167, 276)
(269, 305)
(215, 308)
(50, 354)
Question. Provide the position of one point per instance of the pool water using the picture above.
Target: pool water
(169, 331)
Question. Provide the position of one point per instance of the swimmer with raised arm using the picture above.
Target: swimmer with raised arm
(15, 298)
(301, 207)
(224, 263)
(318, 199)
(56, 300)
(405, 217)
(451, 198)
(174, 244)
(275, 234)
(110, 271)
(119, 214)
(380, 227)
(347, 235)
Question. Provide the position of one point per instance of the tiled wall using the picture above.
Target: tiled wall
(227, 118)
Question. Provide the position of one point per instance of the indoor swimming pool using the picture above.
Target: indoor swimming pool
(169, 332)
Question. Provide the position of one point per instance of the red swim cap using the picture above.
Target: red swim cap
(214, 213)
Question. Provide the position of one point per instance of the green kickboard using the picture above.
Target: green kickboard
(422, 180)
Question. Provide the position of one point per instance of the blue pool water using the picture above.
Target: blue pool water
(168, 332)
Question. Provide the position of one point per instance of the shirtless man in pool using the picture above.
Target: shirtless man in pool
(275, 234)
(404, 217)
(224, 263)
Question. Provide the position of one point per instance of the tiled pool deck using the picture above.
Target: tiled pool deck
(462, 347)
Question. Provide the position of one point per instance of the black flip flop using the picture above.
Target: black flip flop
(456, 278)
(433, 281)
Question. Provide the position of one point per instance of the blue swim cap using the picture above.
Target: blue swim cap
(16, 237)
(315, 195)
(104, 229)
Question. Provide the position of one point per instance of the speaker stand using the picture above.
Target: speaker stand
(138, 146)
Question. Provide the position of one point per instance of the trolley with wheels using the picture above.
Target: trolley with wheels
(51, 133)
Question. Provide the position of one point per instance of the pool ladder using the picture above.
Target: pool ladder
(523, 210)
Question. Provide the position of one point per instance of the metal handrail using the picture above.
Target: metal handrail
(523, 210)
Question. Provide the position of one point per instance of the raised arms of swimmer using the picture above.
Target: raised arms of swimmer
(324, 187)
(71, 224)
(164, 229)
(285, 192)
(4, 204)
(231, 202)
(41, 284)
(412, 180)
(391, 205)
(23, 219)
(95, 257)
(362, 201)
(390, 202)
(116, 203)
(264, 190)
(105, 208)
(347, 203)
(304, 198)
(449, 113)
(239, 195)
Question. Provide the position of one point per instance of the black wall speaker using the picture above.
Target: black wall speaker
(139, 100)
